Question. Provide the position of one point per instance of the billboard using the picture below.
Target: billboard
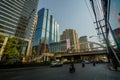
(68, 43)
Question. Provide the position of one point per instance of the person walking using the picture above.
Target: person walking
(72, 68)
(83, 64)
(93, 63)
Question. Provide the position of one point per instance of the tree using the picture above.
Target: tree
(34, 52)
(11, 48)
(12, 53)
(1, 38)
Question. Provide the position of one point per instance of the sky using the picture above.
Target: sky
(71, 14)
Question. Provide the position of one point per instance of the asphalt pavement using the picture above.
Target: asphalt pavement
(89, 72)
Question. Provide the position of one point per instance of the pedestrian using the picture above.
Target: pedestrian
(83, 64)
(93, 63)
(72, 68)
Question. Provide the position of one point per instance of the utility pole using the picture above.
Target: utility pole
(112, 57)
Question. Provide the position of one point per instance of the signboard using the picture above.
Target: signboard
(68, 43)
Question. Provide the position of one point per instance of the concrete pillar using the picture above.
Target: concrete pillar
(29, 48)
(47, 58)
(44, 58)
(72, 58)
(3, 47)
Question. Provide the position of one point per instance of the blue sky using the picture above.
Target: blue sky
(72, 14)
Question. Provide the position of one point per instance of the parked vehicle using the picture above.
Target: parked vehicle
(56, 63)
(86, 62)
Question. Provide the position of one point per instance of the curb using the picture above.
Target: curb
(113, 69)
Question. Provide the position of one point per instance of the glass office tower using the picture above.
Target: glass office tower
(47, 31)
(54, 31)
(17, 21)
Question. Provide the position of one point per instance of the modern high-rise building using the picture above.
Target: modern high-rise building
(33, 33)
(17, 21)
(47, 31)
(73, 36)
(84, 46)
(54, 30)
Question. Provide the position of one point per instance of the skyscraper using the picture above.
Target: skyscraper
(47, 31)
(73, 36)
(54, 30)
(17, 21)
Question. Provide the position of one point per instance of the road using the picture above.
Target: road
(99, 72)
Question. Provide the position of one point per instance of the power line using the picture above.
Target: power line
(89, 10)
(91, 14)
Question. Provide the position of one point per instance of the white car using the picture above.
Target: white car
(86, 62)
(56, 63)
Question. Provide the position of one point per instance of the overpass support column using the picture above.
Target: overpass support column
(72, 58)
(47, 58)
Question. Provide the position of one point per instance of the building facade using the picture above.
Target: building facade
(47, 31)
(73, 36)
(35, 24)
(60, 47)
(84, 46)
(17, 21)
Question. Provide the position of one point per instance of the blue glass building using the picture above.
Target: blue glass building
(47, 30)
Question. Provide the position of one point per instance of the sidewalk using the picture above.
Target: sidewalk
(113, 69)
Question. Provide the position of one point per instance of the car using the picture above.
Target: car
(86, 62)
(56, 64)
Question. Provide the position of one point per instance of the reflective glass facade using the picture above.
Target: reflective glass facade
(17, 20)
(47, 30)
(60, 46)
(16, 17)
(114, 19)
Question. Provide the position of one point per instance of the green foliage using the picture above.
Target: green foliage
(11, 49)
(34, 52)
(12, 53)
(1, 38)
